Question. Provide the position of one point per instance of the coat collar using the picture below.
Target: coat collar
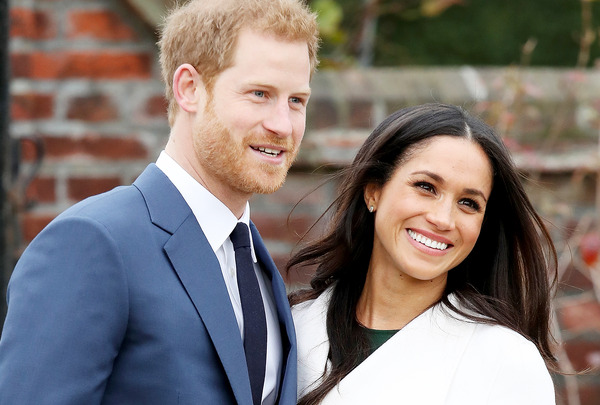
(443, 333)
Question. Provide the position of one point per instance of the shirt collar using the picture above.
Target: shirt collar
(215, 219)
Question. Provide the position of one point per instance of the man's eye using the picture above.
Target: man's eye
(296, 100)
(258, 93)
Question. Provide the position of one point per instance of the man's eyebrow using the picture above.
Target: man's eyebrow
(306, 91)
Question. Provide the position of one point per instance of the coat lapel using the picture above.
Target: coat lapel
(398, 370)
(199, 272)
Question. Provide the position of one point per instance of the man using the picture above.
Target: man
(130, 297)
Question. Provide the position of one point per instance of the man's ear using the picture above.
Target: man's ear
(371, 195)
(188, 88)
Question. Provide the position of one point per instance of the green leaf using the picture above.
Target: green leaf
(330, 15)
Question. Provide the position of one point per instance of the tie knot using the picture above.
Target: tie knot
(240, 236)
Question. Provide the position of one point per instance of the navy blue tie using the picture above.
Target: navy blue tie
(255, 324)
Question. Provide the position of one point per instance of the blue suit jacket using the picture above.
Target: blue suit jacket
(121, 300)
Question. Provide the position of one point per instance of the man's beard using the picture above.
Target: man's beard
(227, 158)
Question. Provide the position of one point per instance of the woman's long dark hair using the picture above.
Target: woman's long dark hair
(507, 279)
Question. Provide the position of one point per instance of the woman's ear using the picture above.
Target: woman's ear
(188, 88)
(371, 196)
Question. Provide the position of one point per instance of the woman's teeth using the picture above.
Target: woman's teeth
(426, 241)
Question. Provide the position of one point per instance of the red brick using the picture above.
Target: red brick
(37, 65)
(583, 354)
(361, 114)
(589, 394)
(80, 188)
(114, 148)
(95, 146)
(58, 147)
(29, 149)
(322, 114)
(32, 224)
(580, 316)
(156, 107)
(31, 24)
(109, 65)
(99, 24)
(19, 64)
(32, 106)
(42, 189)
(92, 65)
(94, 108)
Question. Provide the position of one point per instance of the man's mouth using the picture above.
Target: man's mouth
(426, 241)
(267, 151)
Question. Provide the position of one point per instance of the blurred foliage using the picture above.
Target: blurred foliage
(458, 32)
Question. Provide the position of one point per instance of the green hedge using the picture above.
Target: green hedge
(479, 32)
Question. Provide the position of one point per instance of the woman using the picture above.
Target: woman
(432, 285)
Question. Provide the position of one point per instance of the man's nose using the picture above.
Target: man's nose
(278, 120)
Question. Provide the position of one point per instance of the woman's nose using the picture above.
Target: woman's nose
(441, 215)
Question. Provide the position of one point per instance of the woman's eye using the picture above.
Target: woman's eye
(258, 93)
(472, 204)
(425, 186)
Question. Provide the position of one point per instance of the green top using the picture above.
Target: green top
(378, 337)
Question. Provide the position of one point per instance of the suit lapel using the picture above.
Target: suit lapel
(199, 272)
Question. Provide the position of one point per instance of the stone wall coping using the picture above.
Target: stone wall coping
(539, 97)
(336, 148)
(460, 84)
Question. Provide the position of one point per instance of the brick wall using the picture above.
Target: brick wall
(86, 85)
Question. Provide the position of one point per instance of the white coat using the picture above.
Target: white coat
(436, 359)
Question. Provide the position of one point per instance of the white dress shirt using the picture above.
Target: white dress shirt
(217, 222)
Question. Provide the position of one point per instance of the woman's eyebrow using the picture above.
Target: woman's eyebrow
(440, 179)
